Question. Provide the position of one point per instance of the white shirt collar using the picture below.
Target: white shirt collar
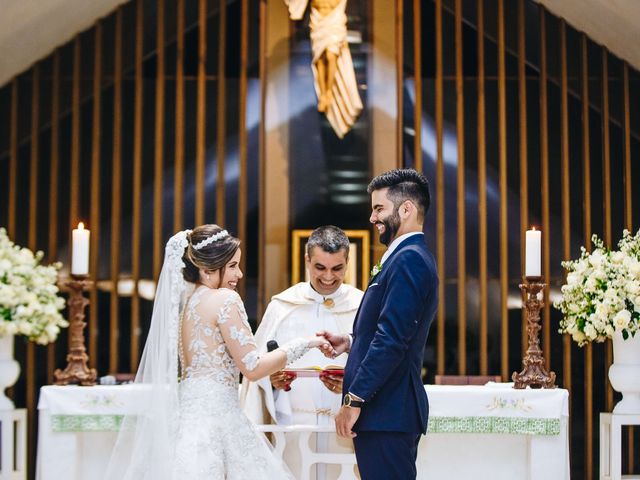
(395, 244)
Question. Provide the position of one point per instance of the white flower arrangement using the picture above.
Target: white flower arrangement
(29, 300)
(602, 293)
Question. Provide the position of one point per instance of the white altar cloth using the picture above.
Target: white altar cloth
(480, 432)
(77, 428)
(495, 432)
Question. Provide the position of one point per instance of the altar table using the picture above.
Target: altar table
(495, 432)
(481, 432)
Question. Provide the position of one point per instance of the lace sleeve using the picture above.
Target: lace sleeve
(236, 332)
(295, 349)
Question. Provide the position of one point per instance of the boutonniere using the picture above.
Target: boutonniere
(377, 268)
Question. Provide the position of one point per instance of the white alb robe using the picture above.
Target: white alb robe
(300, 311)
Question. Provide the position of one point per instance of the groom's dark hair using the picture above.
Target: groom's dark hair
(404, 184)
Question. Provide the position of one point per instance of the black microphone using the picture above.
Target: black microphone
(271, 346)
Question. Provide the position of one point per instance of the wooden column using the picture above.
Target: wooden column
(586, 207)
(242, 133)
(96, 141)
(524, 163)
(417, 82)
(178, 184)
(544, 177)
(221, 125)
(628, 182)
(504, 200)
(566, 189)
(628, 210)
(440, 190)
(31, 379)
(606, 204)
(136, 225)
(13, 160)
(116, 202)
(461, 201)
(399, 35)
(201, 111)
(53, 190)
(158, 176)
(482, 197)
(274, 162)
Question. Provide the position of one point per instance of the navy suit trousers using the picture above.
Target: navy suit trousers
(387, 455)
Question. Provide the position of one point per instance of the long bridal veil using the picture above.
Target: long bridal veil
(145, 445)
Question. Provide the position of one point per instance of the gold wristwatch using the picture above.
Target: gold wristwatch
(350, 400)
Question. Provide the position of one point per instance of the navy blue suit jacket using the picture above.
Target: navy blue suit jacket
(389, 336)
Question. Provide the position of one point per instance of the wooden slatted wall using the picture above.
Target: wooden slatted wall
(541, 151)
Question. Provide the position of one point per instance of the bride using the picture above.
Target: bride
(190, 425)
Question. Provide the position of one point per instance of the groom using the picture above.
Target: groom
(385, 407)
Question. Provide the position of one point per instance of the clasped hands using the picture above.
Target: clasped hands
(331, 345)
(347, 416)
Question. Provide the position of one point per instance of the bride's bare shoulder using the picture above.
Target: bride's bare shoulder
(219, 296)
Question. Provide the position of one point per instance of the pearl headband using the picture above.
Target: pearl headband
(213, 238)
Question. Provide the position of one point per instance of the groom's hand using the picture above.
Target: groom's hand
(339, 343)
(345, 420)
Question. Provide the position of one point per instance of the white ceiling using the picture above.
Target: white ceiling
(613, 23)
(31, 29)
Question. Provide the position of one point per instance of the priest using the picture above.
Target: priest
(323, 303)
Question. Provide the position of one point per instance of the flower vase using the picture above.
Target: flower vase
(624, 373)
(9, 370)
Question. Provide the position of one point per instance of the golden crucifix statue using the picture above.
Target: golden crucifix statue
(334, 77)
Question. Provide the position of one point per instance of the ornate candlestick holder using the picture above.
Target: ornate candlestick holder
(534, 373)
(77, 371)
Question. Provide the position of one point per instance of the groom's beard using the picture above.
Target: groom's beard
(391, 227)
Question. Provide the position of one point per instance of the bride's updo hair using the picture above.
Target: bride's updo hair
(214, 250)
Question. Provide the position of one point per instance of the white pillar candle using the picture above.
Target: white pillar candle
(80, 251)
(532, 253)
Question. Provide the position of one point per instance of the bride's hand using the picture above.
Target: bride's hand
(317, 341)
(322, 344)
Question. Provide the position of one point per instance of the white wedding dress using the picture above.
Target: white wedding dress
(215, 439)
(190, 425)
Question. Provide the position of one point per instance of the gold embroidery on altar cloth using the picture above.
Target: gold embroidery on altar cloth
(317, 411)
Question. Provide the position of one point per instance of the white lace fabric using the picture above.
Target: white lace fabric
(215, 439)
(205, 351)
(193, 429)
(295, 349)
(215, 349)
